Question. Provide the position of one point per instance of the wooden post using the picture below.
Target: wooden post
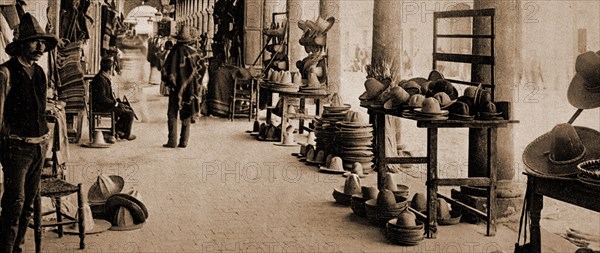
(295, 51)
(386, 48)
(507, 48)
(331, 8)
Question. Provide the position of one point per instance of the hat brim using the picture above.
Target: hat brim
(323, 169)
(99, 227)
(348, 173)
(295, 144)
(579, 96)
(535, 156)
(50, 40)
(127, 228)
(95, 145)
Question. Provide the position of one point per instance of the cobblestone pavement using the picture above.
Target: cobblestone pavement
(227, 192)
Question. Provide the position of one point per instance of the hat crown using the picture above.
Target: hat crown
(373, 88)
(443, 98)
(471, 91)
(320, 157)
(123, 218)
(416, 100)
(311, 139)
(336, 164)
(588, 66)
(88, 218)
(389, 182)
(336, 100)
(431, 105)
(489, 107)
(370, 192)
(407, 219)
(313, 80)
(29, 27)
(566, 145)
(412, 87)
(297, 78)
(286, 78)
(443, 209)
(459, 108)
(357, 168)
(106, 185)
(352, 185)
(400, 94)
(419, 202)
(386, 198)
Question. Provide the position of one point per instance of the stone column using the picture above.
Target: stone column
(331, 8)
(507, 50)
(295, 51)
(387, 47)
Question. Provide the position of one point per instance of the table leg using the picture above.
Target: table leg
(491, 203)
(431, 225)
(284, 116)
(379, 129)
(535, 203)
(301, 121)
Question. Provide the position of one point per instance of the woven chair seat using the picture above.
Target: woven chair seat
(54, 187)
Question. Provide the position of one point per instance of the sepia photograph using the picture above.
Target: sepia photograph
(276, 126)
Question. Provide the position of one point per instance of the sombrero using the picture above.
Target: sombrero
(136, 207)
(584, 90)
(351, 187)
(556, 154)
(30, 29)
(92, 226)
(104, 187)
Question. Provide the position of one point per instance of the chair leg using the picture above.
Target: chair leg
(80, 217)
(37, 223)
(59, 216)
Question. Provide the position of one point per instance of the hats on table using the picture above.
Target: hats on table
(460, 111)
(104, 187)
(30, 29)
(584, 90)
(556, 154)
(411, 87)
(435, 75)
(373, 89)
(446, 87)
(488, 112)
(416, 101)
(431, 107)
(443, 99)
(398, 96)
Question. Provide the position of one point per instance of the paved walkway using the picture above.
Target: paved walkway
(227, 192)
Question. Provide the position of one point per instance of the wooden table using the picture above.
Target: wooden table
(568, 190)
(433, 181)
(299, 115)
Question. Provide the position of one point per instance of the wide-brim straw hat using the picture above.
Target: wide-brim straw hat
(98, 142)
(30, 29)
(99, 227)
(123, 220)
(584, 90)
(536, 154)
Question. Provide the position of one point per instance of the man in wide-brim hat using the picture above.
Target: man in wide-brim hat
(24, 131)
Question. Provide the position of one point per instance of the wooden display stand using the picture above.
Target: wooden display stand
(432, 126)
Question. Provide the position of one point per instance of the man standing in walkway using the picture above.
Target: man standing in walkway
(103, 100)
(181, 75)
(24, 130)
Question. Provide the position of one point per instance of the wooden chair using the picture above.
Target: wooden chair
(96, 119)
(55, 186)
(243, 91)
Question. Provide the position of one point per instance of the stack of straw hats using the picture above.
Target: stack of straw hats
(384, 208)
(325, 127)
(354, 140)
(405, 229)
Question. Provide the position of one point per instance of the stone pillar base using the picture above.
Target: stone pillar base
(508, 209)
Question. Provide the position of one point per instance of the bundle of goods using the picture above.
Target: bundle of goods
(71, 88)
(353, 141)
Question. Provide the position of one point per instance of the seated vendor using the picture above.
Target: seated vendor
(103, 100)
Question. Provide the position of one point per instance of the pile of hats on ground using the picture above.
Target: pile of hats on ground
(71, 87)
(325, 126)
(124, 210)
(284, 81)
(354, 141)
(269, 132)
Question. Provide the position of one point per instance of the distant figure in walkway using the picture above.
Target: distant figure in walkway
(103, 100)
(153, 57)
(182, 77)
(24, 131)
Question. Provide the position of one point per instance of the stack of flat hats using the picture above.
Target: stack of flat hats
(325, 126)
(354, 140)
(71, 87)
